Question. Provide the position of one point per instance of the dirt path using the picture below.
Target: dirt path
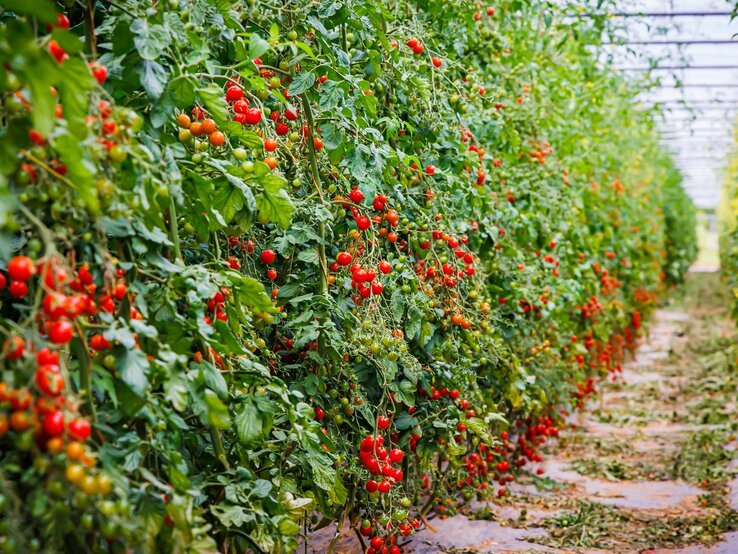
(647, 468)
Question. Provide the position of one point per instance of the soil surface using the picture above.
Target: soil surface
(647, 467)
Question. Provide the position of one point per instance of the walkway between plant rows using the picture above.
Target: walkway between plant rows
(649, 467)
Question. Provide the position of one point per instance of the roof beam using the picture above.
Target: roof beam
(675, 14)
(678, 67)
(667, 42)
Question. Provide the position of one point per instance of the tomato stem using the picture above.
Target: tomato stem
(220, 452)
(316, 182)
(173, 227)
(83, 356)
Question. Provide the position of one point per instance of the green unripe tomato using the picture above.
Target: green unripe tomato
(184, 135)
(349, 37)
(107, 507)
(12, 83)
(296, 183)
(247, 166)
(275, 82)
(87, 521)
(24, 441)
(38, 151)
(23, 177)
(399, 515)
(117, 154)
(197, 158)
(284, 65)
(240, 154)
(135, 121)
(34, 245)
(9, 545)
(292, 35)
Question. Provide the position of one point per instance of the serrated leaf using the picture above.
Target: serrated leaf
(274, 203)
(309, 256)
(257, 46)
(150, 40)
(249, 423)
(153, 78)
(133, 367)
(302, 82)
(331, 135)
(42, 9)
(212, 97)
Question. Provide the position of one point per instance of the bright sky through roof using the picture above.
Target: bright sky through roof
(699, 143)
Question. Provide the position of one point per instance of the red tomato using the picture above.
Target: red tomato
(268, 256)
(49, 380)
(18, 289)
(253, 116)
(61, 332)
(79, 430)
(20, 268)
(234, 93)
(54, 423)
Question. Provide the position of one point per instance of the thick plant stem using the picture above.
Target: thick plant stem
(173, 228)
(85, 369)
(318, 188)
(220, 452)
(90, 39)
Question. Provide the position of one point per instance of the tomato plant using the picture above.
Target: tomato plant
(271, 266)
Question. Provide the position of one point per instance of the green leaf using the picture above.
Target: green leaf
(249, 423)
(257, 46)
(302, 82)
(74, 155)
(214, 379)
(274, 203)
(286, 526)
(133, 368)
(42, 9)
(262, 488)
(332, 136)
(153, 79)
(73, 89)
(217, 411)
(151, 40)
(212, 97)
(228, 200)
(40, 79)
(236, 131)
(230, 515)
(250, 292)
(309, 256)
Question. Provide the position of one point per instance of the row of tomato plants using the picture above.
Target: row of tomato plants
(269, 266)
